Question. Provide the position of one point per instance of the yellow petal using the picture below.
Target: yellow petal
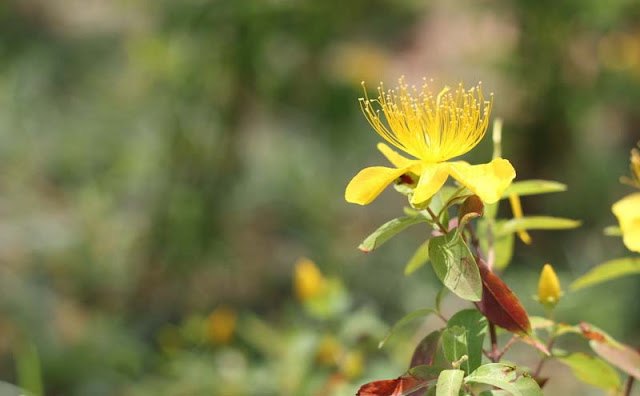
(627, 210)
(396, 159)
(488, 181)
(516, 208)
(432, 178)
(370, 182)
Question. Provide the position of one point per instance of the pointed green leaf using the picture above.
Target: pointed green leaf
(419, 258)
(536, 223)
(505, 377)
(476, 326)
(455, 266)
(406, 319)
(454, 344)
(533, 187)
(606, 271)
(449, 382)
(387, 231)
(592, 370)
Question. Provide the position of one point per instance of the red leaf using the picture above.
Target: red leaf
(500, 305)
(590, 334)
(425, 352)
(397, 387)
(620, 355)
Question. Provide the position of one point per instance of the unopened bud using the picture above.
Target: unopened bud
(549, 291)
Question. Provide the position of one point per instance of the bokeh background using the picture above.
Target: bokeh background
(165, 163)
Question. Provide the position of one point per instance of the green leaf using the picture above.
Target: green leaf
(533, 187)
(387, 231)
(502, 245)
(419, 258)
(443, 292)
(592, 370)
(406, 319)
(538, 322)
(606, 271)
(613, 231)
(454, 344)
(455, 266)
(535, 223)
(449, 382)
(505, 377)
(476, 325)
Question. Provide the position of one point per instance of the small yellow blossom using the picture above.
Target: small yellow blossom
(549, 291)
(352, 364)
(329, 351)
(433, 129)
(516, 208)
(308, 280)
(627, 210)
(634, 180)
(222, 325)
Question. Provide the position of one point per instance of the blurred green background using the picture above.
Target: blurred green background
(165, 163)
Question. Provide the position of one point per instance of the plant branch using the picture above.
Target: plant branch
(628, 386)
(536, 373)
(494, 355)
(436, 221)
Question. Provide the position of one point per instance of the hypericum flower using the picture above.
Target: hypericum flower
(308, 281)
(549, 291)
(433, 129)
(222, 325)
(627, 210)
(634, 180)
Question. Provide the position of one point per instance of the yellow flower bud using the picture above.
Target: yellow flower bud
(222, 325)
(308, 281)
(549, 291)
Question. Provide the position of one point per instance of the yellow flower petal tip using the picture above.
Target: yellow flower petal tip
(516, 208)
(433, 128)
(627, 210)
(308, 281)
(549, 291)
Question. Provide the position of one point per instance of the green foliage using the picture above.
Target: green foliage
(505, 377)
(455, 266)
(449, 382)
(592, 370)
(475, 326)
(419, 259)
(406, 319)
(387, 231)
(533, 187)
(608, 270)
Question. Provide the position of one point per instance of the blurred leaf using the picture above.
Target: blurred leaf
(505, 377)
(535, 342)
(538, 322)
(443, 292)
(535, 223)
(613, 231)
(470, 208)
(419, 258)
(476, 326)
(533, 187)
(400, 386)
(28, 367)
(387, 231)
(454, 344)
(622, 356)
(592, 371)
(425, 352)
(455, 266)
(406, 319)
(606, 271)
(502, 244)
(449, 382)
(500, 305)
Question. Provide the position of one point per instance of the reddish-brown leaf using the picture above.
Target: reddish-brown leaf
(425, 352)
(470, 208)
(397, 387)
(590, 334)
(500, 305)
(619, 355)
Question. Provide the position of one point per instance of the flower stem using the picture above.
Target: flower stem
(494, 356)
(436, 221)
(628, 386)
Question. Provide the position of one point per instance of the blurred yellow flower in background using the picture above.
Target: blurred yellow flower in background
(432, 129)
(516, 208)
(222, 324)
(549, 291)
(308, 281)
(627, 210)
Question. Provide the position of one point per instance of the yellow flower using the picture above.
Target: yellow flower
(433, 130)
(627, 210)
(308, 280)
(634, 180)
(222, 325)
(549, 291)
